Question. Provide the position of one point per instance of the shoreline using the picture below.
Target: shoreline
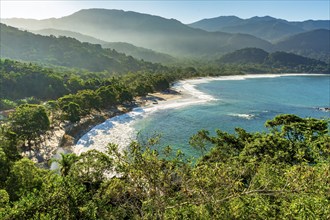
(118, 123)
(119, 129)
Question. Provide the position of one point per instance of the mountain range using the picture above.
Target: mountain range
(156, 39)
(267, 28)
(259, 56)
(65, 51)
(122, 47)
(152, 32)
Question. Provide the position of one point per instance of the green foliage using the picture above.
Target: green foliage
(6, 104)
(4, 164)
(72, 112)
(24, 178)
(246, 55)
(280, 174)
(244, 176)
(313, 44)
(254, 60)
(28, 122)
(21, 80)
(65, 163)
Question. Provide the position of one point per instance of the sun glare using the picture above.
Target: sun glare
(36, 9)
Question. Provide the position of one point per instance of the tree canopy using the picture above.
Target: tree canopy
(280, 174)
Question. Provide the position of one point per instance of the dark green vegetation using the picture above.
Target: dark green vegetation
(30, 83)
(282, 174)
(279, 60)
(314, 44)
(65, 51)
(26, 83)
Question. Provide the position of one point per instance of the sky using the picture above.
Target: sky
(186, 11)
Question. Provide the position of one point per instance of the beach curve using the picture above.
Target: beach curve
(119, 129)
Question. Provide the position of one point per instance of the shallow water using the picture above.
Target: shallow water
(242, 103)
(214, 103)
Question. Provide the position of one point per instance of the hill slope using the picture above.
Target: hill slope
(140, 52)
(128, 49)
(246, 55)
(152, 32)
(64, 51)
(314, 44)
(268, 28)
(62, 33)
(276, 59)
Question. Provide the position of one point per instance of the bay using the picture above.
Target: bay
(245, 103)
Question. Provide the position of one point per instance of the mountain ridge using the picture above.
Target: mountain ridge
(122, 47)
(262, 27)
(169, 36)
(66, 51)
(259, 56)
(152, 32)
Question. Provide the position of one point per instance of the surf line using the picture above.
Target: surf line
(119, 129)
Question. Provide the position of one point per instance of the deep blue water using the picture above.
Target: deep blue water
(240, 103)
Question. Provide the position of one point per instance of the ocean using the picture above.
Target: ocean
(215, 103)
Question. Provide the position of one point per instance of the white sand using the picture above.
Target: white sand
(119, 129)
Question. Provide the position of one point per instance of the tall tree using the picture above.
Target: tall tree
(29, 122)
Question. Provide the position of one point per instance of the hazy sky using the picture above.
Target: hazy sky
(183, 10)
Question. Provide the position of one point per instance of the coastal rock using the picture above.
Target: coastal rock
(324, 109)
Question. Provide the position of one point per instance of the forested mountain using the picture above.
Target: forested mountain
(65, 51)
(20, 80)
(276, 59)
(128, 49)
(246, 55)
(314, 44)
(163, 35)
(268, 28)
(140, 52)
(76, 35)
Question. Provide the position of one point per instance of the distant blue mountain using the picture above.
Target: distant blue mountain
(152, 32)
(267, 28)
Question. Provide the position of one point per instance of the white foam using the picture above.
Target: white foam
(245, 116)
(119, 130)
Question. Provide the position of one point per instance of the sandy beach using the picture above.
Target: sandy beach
(119, 129)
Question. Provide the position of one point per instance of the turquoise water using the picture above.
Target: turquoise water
(240, 103)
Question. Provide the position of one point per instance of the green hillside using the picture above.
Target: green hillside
(256, 56)
(246, 55)
(76, 35)
(65, 51)
(140, 52)
(315, 44)
(126, 48)
(162, 35)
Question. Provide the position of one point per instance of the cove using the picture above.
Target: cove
(215, 103)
